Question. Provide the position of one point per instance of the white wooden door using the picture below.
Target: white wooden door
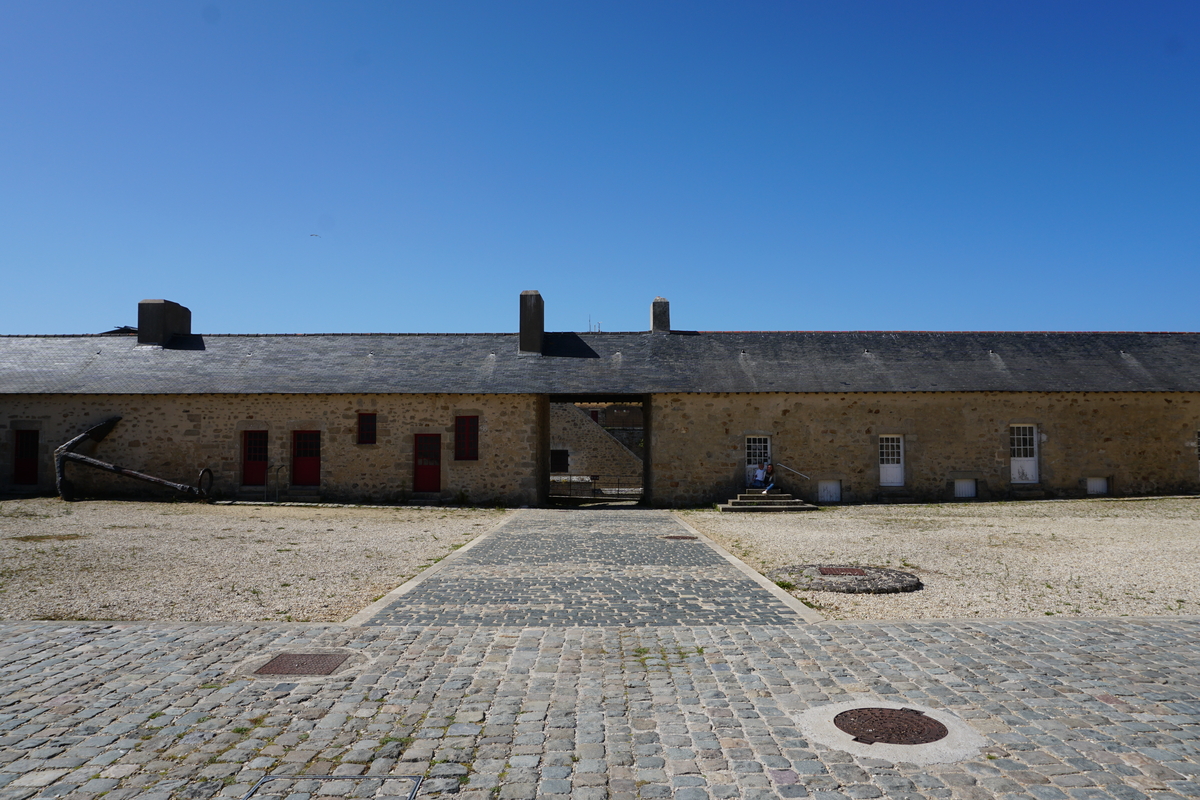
(758, 451)
(1023, 454)
(829, 491)
(891, 460)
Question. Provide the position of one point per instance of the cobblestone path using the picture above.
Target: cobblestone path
(1068, 709)
(589, 568)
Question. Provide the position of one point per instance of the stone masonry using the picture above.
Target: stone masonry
(1140, 442)
(174, 436)
(1143, 443)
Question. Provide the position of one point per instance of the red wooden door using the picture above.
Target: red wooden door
(25, 460)
(306, 458)
(427, 470)
(254, 458)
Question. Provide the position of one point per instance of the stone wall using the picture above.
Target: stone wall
(593, 451)
(174, 436)
(1144, 443)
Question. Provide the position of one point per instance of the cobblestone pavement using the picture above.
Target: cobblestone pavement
(589, 568)
(1070, 709)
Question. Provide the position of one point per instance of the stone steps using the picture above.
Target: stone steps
(757, 501)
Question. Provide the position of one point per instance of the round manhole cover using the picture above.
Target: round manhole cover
(890, 726)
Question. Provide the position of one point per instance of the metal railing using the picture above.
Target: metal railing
(627, 487)
(789, 469)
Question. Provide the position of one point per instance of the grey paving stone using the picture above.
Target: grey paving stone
(602, 702)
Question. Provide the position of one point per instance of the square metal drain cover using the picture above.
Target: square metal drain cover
(302, 664)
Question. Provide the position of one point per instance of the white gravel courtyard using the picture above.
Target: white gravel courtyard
(117, 560)
(1102, 557)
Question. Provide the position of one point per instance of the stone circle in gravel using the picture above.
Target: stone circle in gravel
(842, 578)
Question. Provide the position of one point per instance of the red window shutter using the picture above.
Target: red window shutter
(366, 429)
(466, 438)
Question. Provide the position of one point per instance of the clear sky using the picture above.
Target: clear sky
(765, 166)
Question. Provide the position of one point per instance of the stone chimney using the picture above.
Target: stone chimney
(159, 320)
(660, 316)
(533, 323)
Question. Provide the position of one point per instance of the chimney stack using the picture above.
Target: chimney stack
(660, 316)
(159, 320)
(533, 323)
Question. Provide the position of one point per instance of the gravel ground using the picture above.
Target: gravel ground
(193, 562)
(1077, 558)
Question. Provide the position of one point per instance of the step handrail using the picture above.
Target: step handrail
(789, 469)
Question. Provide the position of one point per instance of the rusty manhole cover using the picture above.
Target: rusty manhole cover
(302, 664)
(679, 537)
(890, 726)
(842, 571)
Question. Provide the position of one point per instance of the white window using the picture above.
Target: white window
(1097, 485)
(758, 451)
(1023, 453)
(829, 491)
(891, 460)
(964, 487)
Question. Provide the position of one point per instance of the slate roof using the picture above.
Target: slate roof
(609, 363)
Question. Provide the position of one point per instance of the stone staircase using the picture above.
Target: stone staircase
(757, 501)
(896, 496)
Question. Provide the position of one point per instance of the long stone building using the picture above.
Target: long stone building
(846, 416)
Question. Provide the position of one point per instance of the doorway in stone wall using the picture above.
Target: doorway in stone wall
(427, 467)
(25, 457)
(597, 448)
(306, 458)
(758, 451)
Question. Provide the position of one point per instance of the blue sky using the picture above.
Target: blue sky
(764, 166)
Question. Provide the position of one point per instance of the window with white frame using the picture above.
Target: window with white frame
(758, 450)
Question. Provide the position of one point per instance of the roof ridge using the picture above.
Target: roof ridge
(610, 333)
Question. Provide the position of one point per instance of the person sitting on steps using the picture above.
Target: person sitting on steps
(769, 477)
(760, 477)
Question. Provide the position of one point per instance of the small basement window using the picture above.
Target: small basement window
(964, 487)
(829, 491)
(560, 461)
(366, 429)
(466, 438)
(1097, 485)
